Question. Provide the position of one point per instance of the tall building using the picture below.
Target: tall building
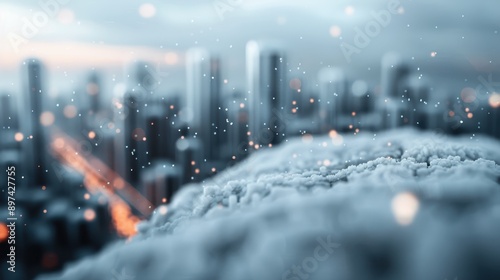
(203, 100)
(394, 72)
(130, 136)
(142, 77)
(130, 116)
(9, 123)
(333, 88)
(419, 93)
(160, 182)
(93, 89)
(188, 155)
(34, 148)
(392, 103)
(267, 100)
(237, 128)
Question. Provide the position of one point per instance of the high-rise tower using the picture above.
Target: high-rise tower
(266, 78)
(203, 99)
(35, 147)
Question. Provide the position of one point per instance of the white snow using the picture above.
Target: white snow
(273, 216)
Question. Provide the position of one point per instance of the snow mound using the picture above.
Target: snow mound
(403, 204)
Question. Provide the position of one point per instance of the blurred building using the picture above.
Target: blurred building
(203, 103)
(392, 102)
(267, 100)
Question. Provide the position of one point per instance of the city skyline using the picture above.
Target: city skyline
(464, 48)
(125, 121)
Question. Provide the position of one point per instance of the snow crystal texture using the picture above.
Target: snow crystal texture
(402, 204)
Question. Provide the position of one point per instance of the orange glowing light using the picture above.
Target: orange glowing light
(163, 210)
(96, 175)
(18, 137)
(70, 111)
(4, 232)
(47, 118)
(470, 115)
(332, 134)
(91, 135)
(119, 183)
(494, 100)
(58, 143)
(405, 207)
(89, 215)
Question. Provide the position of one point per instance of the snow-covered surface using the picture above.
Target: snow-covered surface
(402, 204)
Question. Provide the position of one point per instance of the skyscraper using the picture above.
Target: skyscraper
(394, 79)
(419, 99)
(333, 89)
(266, 78)
(203, 99)
(127, 118)
(160, 182)
(237, 128)
(34, 149)
(9, 123)
(188, 155)
(93, 90)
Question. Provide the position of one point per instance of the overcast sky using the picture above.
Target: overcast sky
(443, 39)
